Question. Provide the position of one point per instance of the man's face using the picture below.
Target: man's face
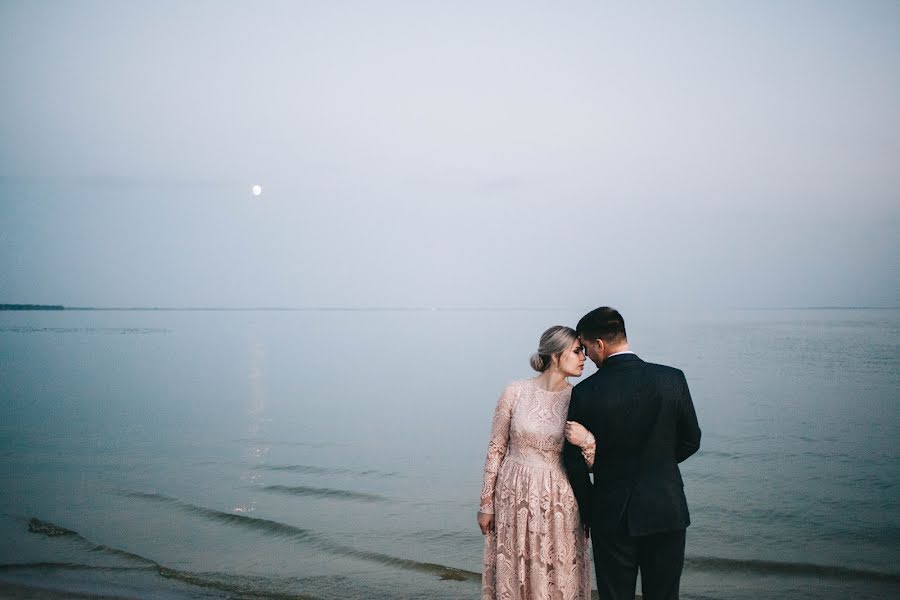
(594, 350)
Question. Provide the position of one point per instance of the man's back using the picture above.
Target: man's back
(643, 419)
(644, 424)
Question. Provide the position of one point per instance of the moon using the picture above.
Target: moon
(256, 190)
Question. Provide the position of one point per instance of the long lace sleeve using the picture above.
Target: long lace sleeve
(589, 449)
(496, 448)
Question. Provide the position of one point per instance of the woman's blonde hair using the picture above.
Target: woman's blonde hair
(554, 342)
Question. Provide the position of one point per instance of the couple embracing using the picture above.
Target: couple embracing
(629, 424)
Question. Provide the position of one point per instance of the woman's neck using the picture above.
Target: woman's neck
(552, 380)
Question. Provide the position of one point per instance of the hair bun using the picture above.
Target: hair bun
(537, 363)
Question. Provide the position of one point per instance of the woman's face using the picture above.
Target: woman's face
(571, 361)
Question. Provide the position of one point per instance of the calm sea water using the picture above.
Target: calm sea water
(338, 454)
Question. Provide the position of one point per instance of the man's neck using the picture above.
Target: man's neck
(618, 350)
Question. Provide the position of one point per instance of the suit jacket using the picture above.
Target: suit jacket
(643, 419)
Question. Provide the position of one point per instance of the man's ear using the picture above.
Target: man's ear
(600, 346)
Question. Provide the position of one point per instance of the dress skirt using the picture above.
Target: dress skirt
(538, 549)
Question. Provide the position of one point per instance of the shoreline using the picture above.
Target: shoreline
(20, 591)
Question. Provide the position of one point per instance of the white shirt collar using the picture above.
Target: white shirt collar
(618, 353)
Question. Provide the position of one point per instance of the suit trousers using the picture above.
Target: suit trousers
(619, 556)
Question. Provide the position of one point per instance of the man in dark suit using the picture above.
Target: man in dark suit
(644, 424)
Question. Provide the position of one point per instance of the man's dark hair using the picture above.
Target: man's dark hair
(603, 323)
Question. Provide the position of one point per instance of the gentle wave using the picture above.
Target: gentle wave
(766, 567)
(262, 586)
(66, 566)
(457, 538)
(300, 490)
(445, 572)
(259, 587)
(315, 540)
(259, 442)
(255, 586)
(274, 527)
(48, 529)
(311, 470)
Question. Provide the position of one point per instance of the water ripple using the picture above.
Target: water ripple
(315, 540)
(300, 490)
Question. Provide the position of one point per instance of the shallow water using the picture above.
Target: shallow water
(338, 454)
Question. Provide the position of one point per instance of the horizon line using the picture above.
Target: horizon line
(380, 308)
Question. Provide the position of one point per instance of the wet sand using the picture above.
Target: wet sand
(15, 591)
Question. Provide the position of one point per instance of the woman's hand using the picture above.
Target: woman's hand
(576, 434)
(486, 523)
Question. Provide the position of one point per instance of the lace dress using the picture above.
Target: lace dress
(538, 549)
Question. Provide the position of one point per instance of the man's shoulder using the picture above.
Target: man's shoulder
(645, 369)
(662, 368)
(588, 381)
(664, 371)
(588, 384)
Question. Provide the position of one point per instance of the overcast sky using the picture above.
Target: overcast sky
(719, 154)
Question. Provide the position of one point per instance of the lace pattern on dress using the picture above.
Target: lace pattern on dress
(497, 444)
(589, 449)
(538, 549)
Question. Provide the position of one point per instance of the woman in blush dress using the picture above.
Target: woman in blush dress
(535, 546)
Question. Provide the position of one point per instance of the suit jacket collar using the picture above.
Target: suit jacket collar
(621, 359)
